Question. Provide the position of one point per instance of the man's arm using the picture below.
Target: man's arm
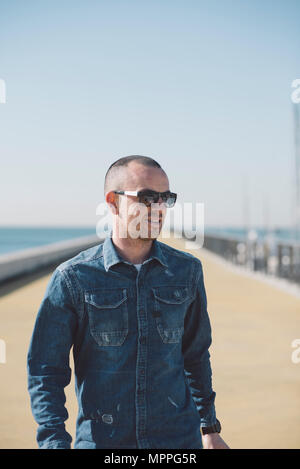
(195, 345)
(196, 342)
(48, 362)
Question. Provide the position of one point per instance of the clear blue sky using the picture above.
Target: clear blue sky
(202, 86)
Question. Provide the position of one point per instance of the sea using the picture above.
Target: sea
(14, 239)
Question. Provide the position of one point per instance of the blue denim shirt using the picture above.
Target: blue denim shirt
(140, 346)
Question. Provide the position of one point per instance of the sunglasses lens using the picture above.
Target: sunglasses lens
(170, 201)
(169, 198)
(148, 199)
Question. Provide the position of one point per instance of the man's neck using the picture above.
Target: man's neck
(133, 250)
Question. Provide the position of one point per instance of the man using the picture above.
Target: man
(134, 309)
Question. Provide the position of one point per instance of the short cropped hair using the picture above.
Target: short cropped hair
(124, 161)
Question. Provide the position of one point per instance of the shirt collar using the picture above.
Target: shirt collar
(112, 257)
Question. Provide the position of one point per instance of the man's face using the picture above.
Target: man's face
(137, 220)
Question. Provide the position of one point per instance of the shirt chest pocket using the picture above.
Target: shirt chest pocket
(170, 305)
(108, 315)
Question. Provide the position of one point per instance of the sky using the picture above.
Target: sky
(203, 87)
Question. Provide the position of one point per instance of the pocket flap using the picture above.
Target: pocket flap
(106, 298)
(172, 294)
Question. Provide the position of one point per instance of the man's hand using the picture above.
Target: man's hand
(213, 441)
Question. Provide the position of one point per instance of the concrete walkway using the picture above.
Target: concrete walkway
(257, 384)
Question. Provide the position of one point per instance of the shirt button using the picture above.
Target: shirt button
(107, 418)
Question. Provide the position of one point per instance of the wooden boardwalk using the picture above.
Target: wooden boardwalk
(257, 384)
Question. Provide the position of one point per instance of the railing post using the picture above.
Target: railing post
(279, 263)
(291, 265)
(266, 254)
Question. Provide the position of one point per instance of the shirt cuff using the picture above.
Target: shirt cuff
(56, 445)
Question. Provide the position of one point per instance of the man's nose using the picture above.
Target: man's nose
(158, 209)
(161, 202)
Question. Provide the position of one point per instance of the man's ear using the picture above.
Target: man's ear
(112, 202)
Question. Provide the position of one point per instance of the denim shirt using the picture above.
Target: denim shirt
(140, 345)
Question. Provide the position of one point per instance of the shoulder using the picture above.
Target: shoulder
(86, 256)
(180, 256)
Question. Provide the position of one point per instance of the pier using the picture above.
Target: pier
(256, 381)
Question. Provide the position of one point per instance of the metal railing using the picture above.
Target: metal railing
(280, 259)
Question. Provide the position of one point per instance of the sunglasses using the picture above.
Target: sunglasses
(148, 197)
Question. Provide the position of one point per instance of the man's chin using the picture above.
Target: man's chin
(147, 236)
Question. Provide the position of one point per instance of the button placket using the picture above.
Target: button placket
(141, 367)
